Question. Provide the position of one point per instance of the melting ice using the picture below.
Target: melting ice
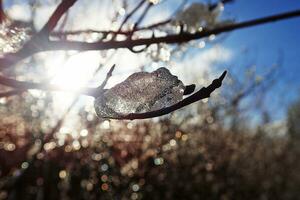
(140, 92)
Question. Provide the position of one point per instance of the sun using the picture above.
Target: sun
(71, 73)
(77, 70)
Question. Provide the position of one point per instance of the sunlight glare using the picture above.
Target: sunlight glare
(77, 70)
(74, 74)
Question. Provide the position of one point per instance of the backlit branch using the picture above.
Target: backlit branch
(129, 15)
(40, 40)
(21, 86)
(170, 39)
(28, 50)
(56, 16)
(108, 75)
(26, 85)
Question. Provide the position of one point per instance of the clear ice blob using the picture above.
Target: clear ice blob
(140, 92)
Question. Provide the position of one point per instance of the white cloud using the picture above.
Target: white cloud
(199, 68)
(193, 66)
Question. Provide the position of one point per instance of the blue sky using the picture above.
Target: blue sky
(267, 43)
(268, 39)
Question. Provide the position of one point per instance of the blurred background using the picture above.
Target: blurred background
(241, 143)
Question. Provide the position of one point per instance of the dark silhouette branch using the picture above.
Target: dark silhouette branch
(176, 38)
(88, 31)
(129, 15)
(2, 14)
(203, 93)
(40, 40)
(26, 85)
(28, 50)
(141, 18)
(56, 16)
(148, 27)
(21, 86)
(155, 25)
(100, 89)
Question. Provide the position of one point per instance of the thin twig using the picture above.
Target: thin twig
(108, 75)
(141, 18)
(155, 25)
(88, 31)
(129, 15)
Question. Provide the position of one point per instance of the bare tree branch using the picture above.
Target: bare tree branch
(88, 31)
(155, 25)
(176, 38)
(129, 15)
(201, 94)
(141, 18)
(129, 32)
(26, 85)
(21, 86)
(56, 16)
(28, 50)
(2, 14)
(40, 40)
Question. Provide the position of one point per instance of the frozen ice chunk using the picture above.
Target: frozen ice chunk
(140, 92)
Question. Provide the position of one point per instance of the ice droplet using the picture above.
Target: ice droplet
(140, 92)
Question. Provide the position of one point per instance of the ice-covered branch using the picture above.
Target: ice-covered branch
(203, 93)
